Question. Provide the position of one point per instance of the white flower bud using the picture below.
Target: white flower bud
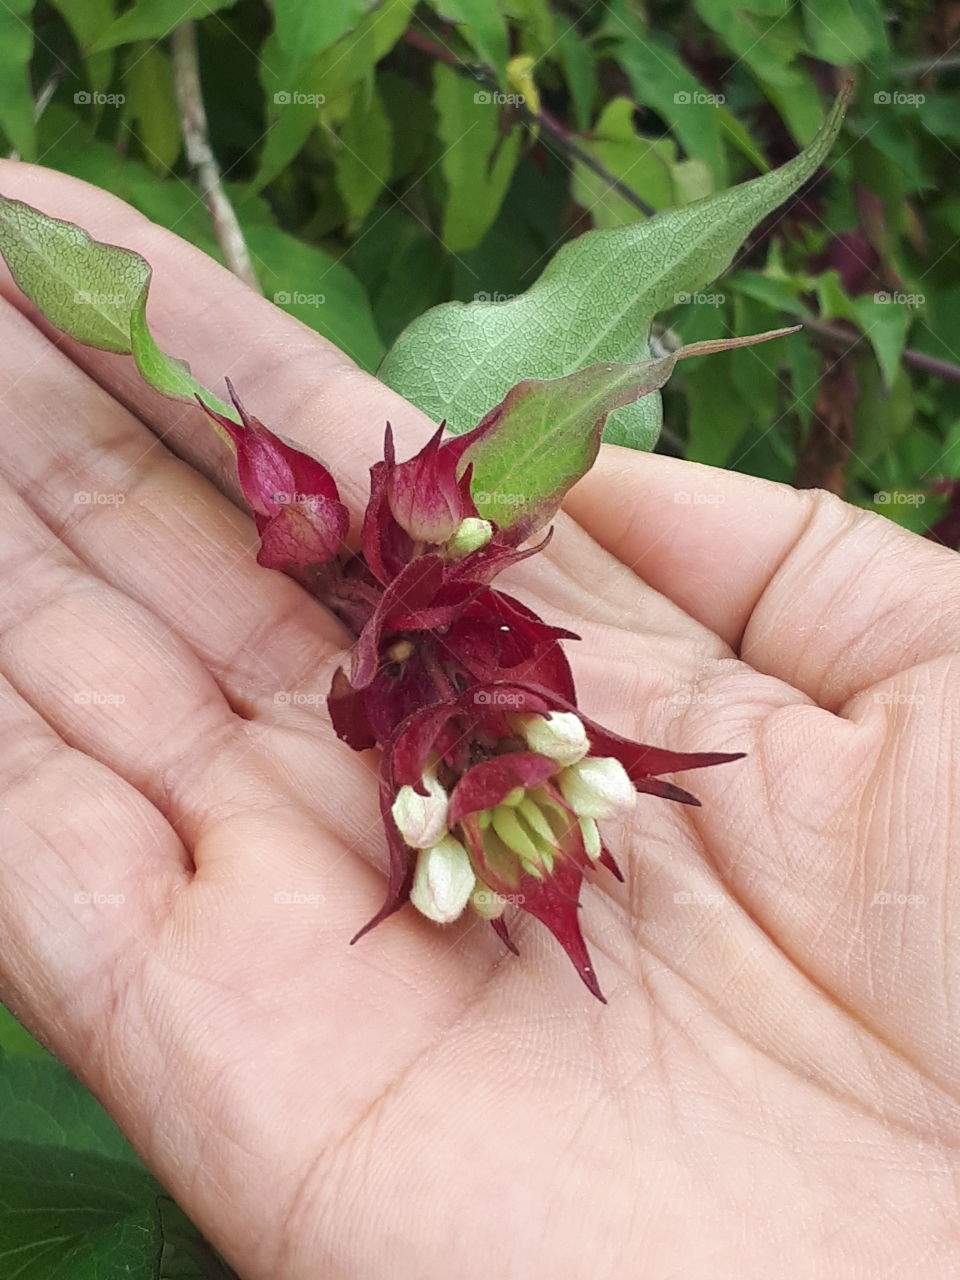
(443, 881)
(559, 736)
(473, 534)
(486, 903)
(421, 820)
(597, 787)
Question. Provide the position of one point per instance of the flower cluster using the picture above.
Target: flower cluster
(492, 782)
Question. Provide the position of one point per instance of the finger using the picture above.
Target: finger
(73, 899)
(804, 586)
(300, 384)
(289, 376)
(150, 525)
(112, 679)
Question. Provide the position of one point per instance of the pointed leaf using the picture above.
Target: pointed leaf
(535, 444)
(594, 302)
(92, 291)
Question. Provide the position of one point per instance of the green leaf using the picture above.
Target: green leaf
(293, 108)
(364, 152)
(315, 287)
(661, 81)
(43, 1104)
(305, 28)
(94, 292)
(478, 161)
(16, 1039)
(835, 33)
(484, 27)
(151, 109)
(545, 434)
(71, 1215)
(647, 166)
(580, 72)
(594, 302)
(154, 19)
(86, 21)
(16, 93)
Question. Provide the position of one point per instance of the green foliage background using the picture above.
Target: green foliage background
(385, 157)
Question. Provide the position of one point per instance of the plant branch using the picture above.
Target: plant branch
(841, 338)
(542, 119)
(193, 120)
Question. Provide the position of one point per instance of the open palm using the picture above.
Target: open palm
(186, 850)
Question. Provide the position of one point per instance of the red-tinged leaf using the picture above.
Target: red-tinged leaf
(415, 740)
(488, 783)
(400, 866)
(607, 860)
(500, 639)
(413, 588)
(301, 521)
(396, 691)
(347, 711)
(529, 449)
(555, 902)
(424, 495)
(500, 929)
(386, 547)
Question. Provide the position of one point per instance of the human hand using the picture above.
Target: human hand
(776, 1063)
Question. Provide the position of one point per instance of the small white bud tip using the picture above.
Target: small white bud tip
(559, 736)
(597, 787)
(443, 881)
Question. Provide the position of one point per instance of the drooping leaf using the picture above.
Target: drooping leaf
(594, 302)
(478, 161)
(293, 106)
(364, 152)
(484, 27)
(95, 292)
(529, 450)
(154, 19)
(16, 93)
(151, 108)
(305, 28)
(86, 21)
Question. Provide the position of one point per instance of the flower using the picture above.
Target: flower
(492, 781)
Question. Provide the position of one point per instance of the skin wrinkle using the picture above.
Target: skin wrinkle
(314, 978)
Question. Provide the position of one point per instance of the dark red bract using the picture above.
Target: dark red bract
(492, 782)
